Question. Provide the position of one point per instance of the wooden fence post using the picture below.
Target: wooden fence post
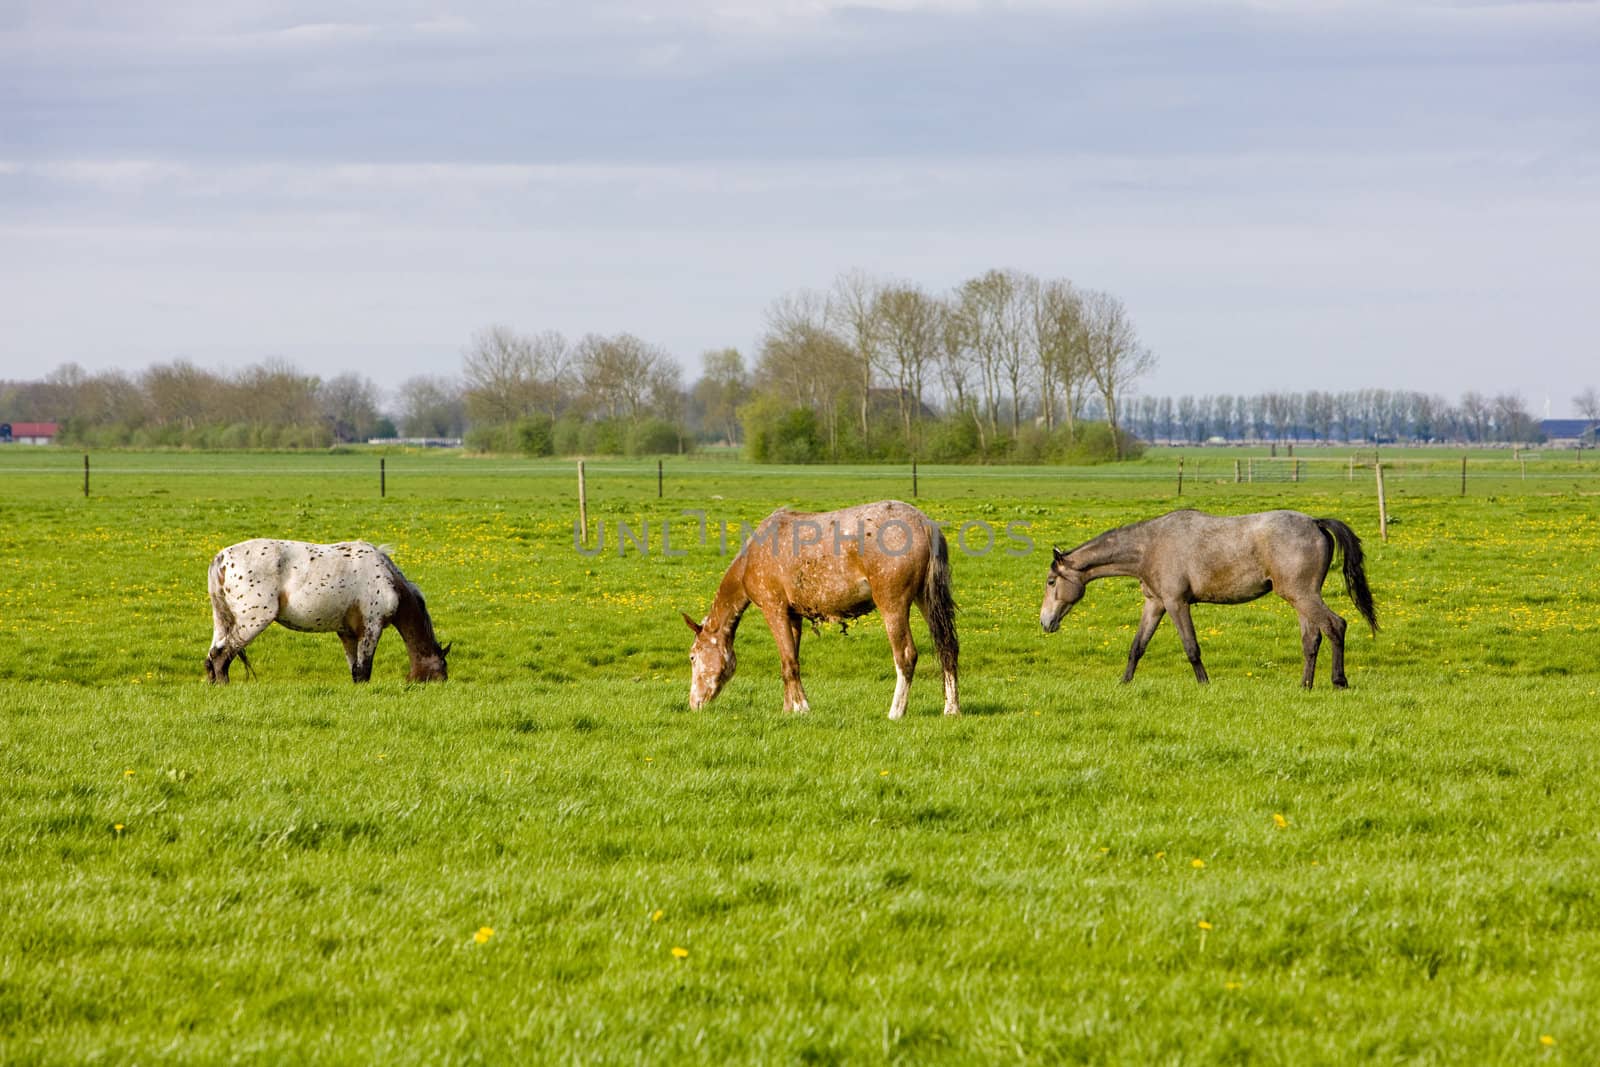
(659, 480)
(86, 475)
(1180, 475)
(1463, 475)
(383, 479)
(1383, 510)
(913, 477)
(1236, 472)
(583, 506)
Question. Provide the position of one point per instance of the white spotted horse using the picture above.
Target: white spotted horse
(351, 588)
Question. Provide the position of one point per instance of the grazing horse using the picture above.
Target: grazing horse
(1188, 557)
(829, 567)
(352, 589)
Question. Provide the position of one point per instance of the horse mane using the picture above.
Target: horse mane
(1110, 536)
(413, 610)
(731, 593)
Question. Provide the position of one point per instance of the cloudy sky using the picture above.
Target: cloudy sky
(1287, 195)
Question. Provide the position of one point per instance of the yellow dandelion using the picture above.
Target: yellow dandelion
(1161, 855)
(117, 828)
(649, 759)
(1279, 821)
(484, 934)
(655, 916)
(883, 774)
(1197, 863)
(1203, 925)
(680, 952)
(128, 773)
(1232, 985)
(1104, 849)
(1546, 1040)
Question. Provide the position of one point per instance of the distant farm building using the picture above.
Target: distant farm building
(417, 442)
(29, 433)
(1569, 433)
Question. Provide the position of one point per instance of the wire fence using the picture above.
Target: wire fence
(1209, 468)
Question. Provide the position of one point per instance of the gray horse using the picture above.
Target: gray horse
(1189, 557)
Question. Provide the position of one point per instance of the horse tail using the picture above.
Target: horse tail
(1355, 575)
(223, 619)
(938, 603)
(221, 610)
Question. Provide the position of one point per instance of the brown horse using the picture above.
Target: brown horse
(351, 588)
(828, 567)
(1188, 557)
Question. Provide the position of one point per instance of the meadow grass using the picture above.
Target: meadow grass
(297, 869)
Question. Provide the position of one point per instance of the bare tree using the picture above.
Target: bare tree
(853, 310)
(1114, 357)
(805, 363)
(274, 392)
(1475, 408)
(349, 405)
(431, 407)
(1588, 405)
(181, 394)
(1512, 422)
(722, 388)
(550, 363)
(998, 312)
(622, 374)
(1060, 341)
(911, 324)
(499, 375)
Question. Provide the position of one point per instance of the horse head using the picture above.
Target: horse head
(712, 660)
(1063, 589)
(430, 666)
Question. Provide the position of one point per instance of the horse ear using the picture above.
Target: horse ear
(1060, 555)
(445, 651)
(690, 622)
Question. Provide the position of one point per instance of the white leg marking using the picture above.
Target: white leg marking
(902, 692)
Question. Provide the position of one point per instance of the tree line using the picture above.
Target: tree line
(1350, 417)
(1004, 366)
(267, 405)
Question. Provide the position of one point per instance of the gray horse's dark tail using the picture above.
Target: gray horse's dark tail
(938, 603)
(1355, 575)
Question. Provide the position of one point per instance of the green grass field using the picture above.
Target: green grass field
(549, 858)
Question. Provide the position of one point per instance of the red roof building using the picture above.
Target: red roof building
(29, 433)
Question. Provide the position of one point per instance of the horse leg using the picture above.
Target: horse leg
(1191, 647)
(1334, 628)
(351, 645)
(1317, 621)
(786, 632)
(1153, 610)
(1310, 642)
(225, 646)
(366, 649)
(897, 622)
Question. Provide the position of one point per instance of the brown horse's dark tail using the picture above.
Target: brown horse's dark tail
(1355, 575)
(938, 603)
